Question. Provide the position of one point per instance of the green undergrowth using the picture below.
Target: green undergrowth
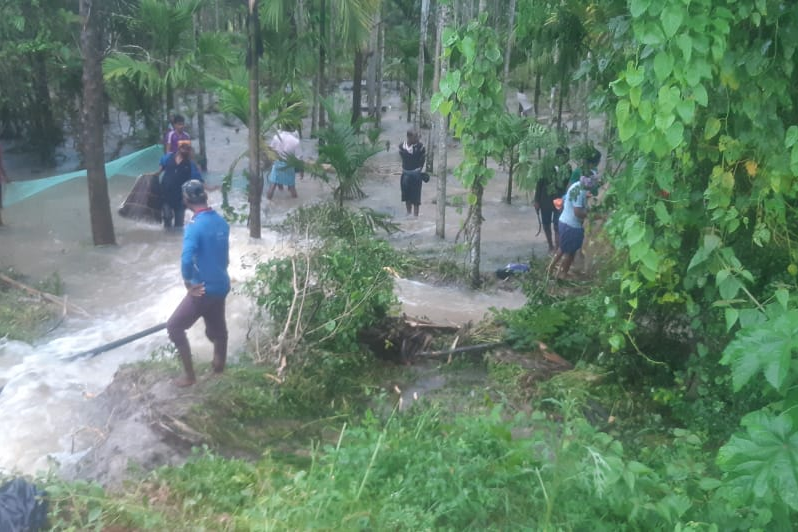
(26, 317)
(428, 470)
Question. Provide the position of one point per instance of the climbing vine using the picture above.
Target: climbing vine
(471, 95)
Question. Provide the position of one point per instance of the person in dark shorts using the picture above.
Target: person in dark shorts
(413, 155)
(177, 169)
(203, 265)
(572, 232)
(551, 186)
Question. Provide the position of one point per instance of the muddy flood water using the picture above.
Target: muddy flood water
(136, 284)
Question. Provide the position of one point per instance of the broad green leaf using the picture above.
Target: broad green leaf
(638, 7)
(762, 461)
(675, 134)
(731, 315)
(710, 243)
(663, 216)
(794, 160)
(635, 231)
(711, 128)
(729, 286)
(791, 137)
(663, 65)
(765, 347)
(468, 47)
(685, 44)
(450, 83)
(671, 17)
(686, 110)
(700, 95)
(634, 75)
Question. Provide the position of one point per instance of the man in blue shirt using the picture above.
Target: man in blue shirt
(203, 265)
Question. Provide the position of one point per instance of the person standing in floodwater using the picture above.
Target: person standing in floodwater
(3, 181)
(414, 155)
(177, 169)
(283, 173)
(203, 265)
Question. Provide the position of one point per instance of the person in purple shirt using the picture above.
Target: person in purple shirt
(203, 266)
(177, 168)
(175, 134)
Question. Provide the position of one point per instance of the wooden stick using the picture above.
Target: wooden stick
(466, 349)
(44, 295)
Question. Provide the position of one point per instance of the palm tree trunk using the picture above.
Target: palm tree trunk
(440, 219)
(422, 43)
(203, 151)
(380, 57)
(102, 224)
(509, 48)
(322, 122)
(255, 179)
(357, 78)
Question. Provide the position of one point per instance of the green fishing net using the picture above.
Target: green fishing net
(136, 163)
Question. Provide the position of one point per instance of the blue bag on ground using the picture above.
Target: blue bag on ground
(511, 269)
(22, 507)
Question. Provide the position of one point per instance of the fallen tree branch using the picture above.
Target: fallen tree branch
(467, 349)
(44, 295)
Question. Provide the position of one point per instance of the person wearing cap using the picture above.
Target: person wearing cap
(175, 170)
(175, 134)
(203, 266)
(572, 218)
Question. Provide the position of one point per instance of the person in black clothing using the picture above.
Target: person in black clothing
(413, 156)
(177, 168)
(551, 186)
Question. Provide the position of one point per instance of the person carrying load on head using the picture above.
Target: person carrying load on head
(286, 145)
(203, 266)
(414, 155)
(175, 170)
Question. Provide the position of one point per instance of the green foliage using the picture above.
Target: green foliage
(337, 288)
(341, 147)
(23, 317)
(428, 471)
(706, 210)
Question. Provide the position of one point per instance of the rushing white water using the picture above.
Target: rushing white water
(125, 289)
(136, 284)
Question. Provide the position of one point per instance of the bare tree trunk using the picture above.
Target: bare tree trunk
(371, 65)
(475, 235)
(509, 48)
(255, 180)
(102, 224)
(322, 122)
(203, 149)
(380, 59)
(357, 79)
(422, 43)
(440, 219)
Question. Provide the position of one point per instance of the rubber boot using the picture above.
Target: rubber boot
(188, 378)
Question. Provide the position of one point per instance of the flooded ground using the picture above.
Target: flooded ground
(136, 284)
